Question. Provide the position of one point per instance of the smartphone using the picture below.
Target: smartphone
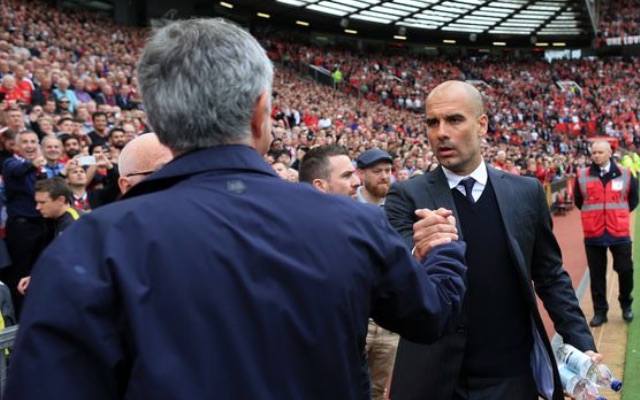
(86, 160)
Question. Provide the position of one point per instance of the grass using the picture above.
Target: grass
(631, 389)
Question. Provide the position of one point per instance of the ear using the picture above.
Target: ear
(124, 184)
(320, 184)
(260, 119)
(61, 200)
(483, 123)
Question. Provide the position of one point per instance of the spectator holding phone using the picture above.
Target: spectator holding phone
(79, 173)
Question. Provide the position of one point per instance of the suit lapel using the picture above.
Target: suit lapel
(502, 197)
(508, 205)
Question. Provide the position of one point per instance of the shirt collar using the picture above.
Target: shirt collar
(479, 174)
(607, 167)
(361, 198)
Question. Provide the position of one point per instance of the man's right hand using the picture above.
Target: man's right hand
(24, 284)
(39, 162)
(434, 228)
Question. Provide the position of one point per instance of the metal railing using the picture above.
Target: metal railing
(558, 193)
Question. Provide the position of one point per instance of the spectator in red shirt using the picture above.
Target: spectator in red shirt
(12, 92)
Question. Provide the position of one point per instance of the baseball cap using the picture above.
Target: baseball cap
(372, 157)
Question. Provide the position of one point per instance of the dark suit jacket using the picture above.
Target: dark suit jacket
(192, 287)
(431, 372)
(125, 103)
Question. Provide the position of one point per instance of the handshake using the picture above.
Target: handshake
(432, 229)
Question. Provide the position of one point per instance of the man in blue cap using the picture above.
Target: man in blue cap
(374, 169)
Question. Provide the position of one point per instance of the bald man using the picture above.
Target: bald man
(606, 193)
(498, 349)
(141, 157)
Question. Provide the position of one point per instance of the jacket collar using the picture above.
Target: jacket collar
(237, 158)
(614, 170)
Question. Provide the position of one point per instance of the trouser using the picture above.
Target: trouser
(381, 355)
(622, 264)
(519, 388)
(25, 239)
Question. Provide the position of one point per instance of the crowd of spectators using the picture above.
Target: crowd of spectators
(539, 110)
(68, 90)
(619, 18)
(63, 73)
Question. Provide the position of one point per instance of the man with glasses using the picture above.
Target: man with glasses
(62, 92)
(64, 106)
(141, 157)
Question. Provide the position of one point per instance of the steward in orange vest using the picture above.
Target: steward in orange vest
(606, 193)
(605, 201)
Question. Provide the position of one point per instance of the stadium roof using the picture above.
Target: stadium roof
(509, 23)
(522, 21)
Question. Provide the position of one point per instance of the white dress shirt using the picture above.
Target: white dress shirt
(480, 176)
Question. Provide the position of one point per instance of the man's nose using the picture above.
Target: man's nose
(355, 181)
(441, 130)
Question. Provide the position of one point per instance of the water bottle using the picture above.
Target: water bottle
(602, 376)
(582, 365)
(579, 388)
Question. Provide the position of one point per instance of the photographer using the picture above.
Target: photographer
(79, 173)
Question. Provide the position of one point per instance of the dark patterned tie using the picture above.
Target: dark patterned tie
(468, 188)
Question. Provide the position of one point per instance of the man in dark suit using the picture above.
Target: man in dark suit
(26, 230)
(123, 99)
(193, 287)
(498, 349)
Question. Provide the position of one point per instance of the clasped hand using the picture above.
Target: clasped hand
(434, 228)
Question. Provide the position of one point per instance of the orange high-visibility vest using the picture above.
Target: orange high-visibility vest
(605, 207)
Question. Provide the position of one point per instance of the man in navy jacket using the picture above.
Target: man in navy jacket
(193, 286)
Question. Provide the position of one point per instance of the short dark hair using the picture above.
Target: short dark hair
(315, 164)
(56, 187)
(66, 137)
(64, 119)
(99, 114)
(282, 152)
(92, 147)
(116, 129)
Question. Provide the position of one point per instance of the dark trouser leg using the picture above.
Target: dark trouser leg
(623, 265)
(25, 241)
(597, 259)
(520, 388)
